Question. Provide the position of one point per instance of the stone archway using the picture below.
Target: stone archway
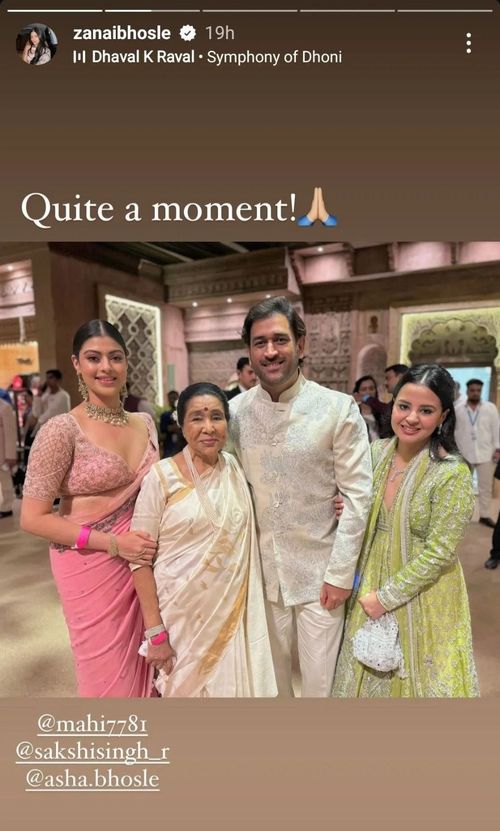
(372, 360)
(459, 337)
(456, 340)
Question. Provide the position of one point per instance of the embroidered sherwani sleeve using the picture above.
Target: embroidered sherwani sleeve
(452, 504)
(353, 474)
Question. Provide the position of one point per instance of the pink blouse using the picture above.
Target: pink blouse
(64, 462)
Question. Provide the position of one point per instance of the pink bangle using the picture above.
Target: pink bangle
(158, 639)
(83, 537)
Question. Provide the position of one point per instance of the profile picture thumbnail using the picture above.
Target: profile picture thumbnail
(36, 44)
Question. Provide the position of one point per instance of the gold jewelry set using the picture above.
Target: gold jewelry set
(111, 415)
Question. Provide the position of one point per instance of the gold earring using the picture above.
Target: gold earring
(123, 393)
(82, 387)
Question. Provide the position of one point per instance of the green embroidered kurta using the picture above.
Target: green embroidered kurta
(409, 557)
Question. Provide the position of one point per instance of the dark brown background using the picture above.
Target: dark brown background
(269, 765)
(403, 136)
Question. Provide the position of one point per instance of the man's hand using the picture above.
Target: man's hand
(331, 597)
(338, 503)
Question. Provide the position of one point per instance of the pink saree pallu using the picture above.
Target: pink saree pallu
(104, 620)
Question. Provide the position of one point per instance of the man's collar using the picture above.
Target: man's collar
(288, 394)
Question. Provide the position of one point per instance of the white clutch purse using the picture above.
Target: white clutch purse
(376, 645)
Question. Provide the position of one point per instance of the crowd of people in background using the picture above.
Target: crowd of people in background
(476, 431)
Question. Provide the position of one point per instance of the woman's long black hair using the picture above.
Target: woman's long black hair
(436, 378)
(42, 43)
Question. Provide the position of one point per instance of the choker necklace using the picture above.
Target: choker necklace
(112, 415)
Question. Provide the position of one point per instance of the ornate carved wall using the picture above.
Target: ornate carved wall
(462, 337)
(329, 349)
(214, 364)
(139, 325)
(469, 336)
(369, 345)
(457, 340)
(372, 360)
(16, 292)
(248, 276)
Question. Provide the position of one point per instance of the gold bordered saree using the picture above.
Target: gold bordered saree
(208, 582)
(409, 556)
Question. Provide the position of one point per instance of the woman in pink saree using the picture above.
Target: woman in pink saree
(94, 458)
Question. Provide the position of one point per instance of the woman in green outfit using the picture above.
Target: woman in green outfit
(423, 501)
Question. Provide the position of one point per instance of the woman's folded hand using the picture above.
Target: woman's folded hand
(162, 656)
(372, 606)
(137, 547)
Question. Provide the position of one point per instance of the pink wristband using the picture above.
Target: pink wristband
(83, 537)
(158, 639)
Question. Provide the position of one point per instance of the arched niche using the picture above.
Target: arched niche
(372, 360)
(456, 340)
(458, 337)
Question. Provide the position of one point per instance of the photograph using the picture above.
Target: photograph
(36, 44)
(238, 470)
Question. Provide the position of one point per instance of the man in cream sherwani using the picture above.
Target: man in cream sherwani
(300, 443)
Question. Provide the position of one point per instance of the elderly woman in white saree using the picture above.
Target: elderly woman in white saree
(202, 599)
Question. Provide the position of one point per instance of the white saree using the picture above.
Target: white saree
(208, 582)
